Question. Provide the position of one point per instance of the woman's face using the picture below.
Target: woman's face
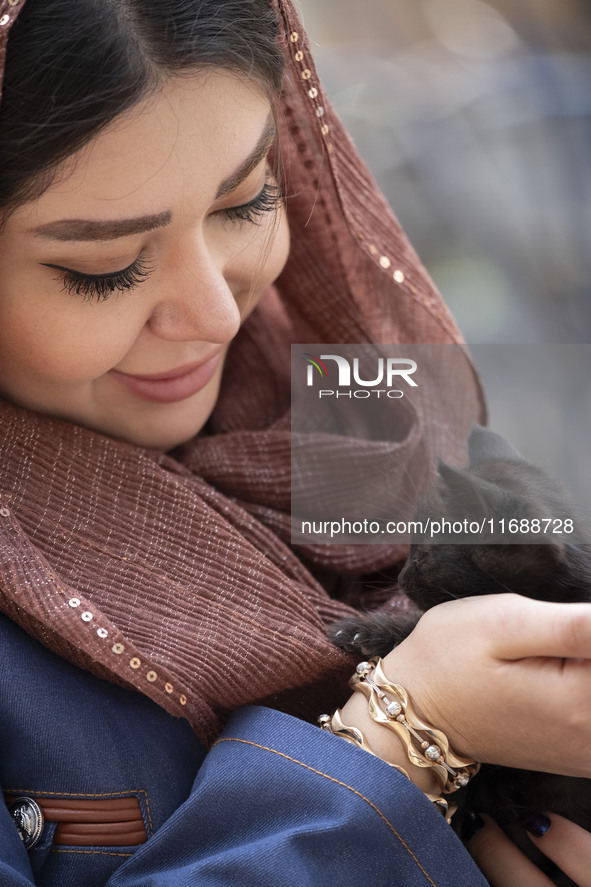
(122, 286)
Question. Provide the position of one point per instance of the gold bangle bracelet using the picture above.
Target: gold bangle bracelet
(334, 724)
(390, 706)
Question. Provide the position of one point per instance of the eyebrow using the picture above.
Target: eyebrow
(260, 151)
(85, 229)
(70, 230)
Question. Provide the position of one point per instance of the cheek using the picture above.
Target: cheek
(59, 341)
(280, 249)
(273, 256)
(261, 265)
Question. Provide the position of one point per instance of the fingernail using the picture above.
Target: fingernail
(472, 824)
(536, 823)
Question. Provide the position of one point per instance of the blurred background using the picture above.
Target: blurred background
(475, 119)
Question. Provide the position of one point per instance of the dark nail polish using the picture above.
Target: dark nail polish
(536, 823)
(472, 824)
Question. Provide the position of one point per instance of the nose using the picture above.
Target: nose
(196, 302)
(403, 575)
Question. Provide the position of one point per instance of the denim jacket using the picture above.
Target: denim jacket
(276, 802)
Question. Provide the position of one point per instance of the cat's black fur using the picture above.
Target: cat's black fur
(498, 483)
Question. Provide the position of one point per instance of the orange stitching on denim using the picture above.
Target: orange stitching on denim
(94, 852)
(338, 782)
(148, 812)
(57, 795)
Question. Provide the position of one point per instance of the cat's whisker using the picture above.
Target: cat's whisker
(504, 586)
(446, 593)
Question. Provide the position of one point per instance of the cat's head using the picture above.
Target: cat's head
(471, 546)
(434, 574)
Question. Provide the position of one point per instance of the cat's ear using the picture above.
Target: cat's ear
(485, 445)
(469, 496)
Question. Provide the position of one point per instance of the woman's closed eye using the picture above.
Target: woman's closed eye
(267, 200)
(101, 286)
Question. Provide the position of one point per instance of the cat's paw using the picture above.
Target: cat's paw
(375, 634)
(352, 635)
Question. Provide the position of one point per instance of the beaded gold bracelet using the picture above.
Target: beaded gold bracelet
(334, 724)
(425, 746)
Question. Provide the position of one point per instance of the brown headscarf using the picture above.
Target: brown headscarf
(173, 573)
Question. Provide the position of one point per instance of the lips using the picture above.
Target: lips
(172, 385)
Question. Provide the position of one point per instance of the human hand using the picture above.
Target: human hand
(506, 678)
(504, 865)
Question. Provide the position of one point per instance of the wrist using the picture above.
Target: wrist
(386, 745)
(380, 718)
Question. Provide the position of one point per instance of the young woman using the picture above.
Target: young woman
(163, 647)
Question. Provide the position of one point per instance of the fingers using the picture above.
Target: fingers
(569, 846)
(519, 627)
(504, 865)
(520, 669)
(501, 862)
(525, 628)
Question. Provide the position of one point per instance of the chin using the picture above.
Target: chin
(154, 431)
(161, 426)
(160, 438)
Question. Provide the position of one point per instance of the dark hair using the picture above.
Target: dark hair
(73, 65)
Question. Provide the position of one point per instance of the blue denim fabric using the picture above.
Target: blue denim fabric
(276, 802)
(67, 732)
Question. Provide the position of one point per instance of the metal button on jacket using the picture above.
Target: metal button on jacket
(28, 818)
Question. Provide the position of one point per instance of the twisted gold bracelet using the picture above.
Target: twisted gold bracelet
(334, 724)
(425, 746)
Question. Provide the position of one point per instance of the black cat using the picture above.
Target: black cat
(498, 485)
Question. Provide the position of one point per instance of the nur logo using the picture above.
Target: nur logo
(388, 371)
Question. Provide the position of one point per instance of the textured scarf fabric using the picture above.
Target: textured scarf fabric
(173, 573)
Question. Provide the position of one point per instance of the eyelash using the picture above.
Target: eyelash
(100, 286)
(267, 200)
